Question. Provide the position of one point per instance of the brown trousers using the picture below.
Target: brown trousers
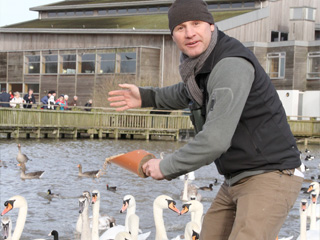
(254, 208)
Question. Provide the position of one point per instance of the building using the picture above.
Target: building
(88, 47)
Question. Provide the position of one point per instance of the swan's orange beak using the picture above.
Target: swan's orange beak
(310, 188)
(173, 207)
(184, 210)
(7, 209)
(124, 207)
(94, 199)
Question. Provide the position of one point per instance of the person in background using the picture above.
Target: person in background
(29, 98)
(45, 100)
(11, 94)
(240, 125)
(51, 100)
(88, 104)
(17, 100)
(61, 102)
(66, 97)
(74, 101)
(5, 99)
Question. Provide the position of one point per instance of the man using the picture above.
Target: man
(29, 99)
(241, 126)
(74, 101)
(5, 99)
(45, 100)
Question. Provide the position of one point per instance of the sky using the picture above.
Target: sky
(15, 11)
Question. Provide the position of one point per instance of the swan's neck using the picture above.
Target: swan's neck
(185, 191)
(133, 222)
(197, 216)
(130, 210)
(303, 226)
(313, 218)
(20, 222)
(85, 234)
(95, 220)
(161, 233)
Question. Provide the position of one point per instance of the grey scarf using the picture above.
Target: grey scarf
(189, 67)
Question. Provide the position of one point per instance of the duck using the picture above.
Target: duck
(55, 234)
(84, 210)
(309, 158)
(161, 203)
(98, 222)
(20, 203)
(303, 167)
(205, 188)
(304, 234)
(112, 189)
(196, 209)
(190, 192)
(21, 158)
(50, 194)
(30, 175)
(93, 174)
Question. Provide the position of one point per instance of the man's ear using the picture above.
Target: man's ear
(212, 27)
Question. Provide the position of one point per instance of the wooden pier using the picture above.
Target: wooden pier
(98, 123)
(107, 123)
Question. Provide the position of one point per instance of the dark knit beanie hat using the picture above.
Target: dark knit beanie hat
(188, 10)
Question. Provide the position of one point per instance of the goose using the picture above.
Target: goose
(84, 210)
(20, 203)
(21, 158)
(132, 220)
(304, 234)
(112, 189)
(196, 209)
(314, 186)
(30, 175)
(159, 204)
(99, 223)
(55, 234)
(190, 192)
(93, 174)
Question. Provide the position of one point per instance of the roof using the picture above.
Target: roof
(155, 21)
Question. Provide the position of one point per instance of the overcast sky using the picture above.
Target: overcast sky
(15, 11)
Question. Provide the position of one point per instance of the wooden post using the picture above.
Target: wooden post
(100, 133)
(75, 133)
(38, 132)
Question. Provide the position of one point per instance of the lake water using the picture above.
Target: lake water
(59, 160)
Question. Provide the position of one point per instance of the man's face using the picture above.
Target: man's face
(30, 92)
(193, 37)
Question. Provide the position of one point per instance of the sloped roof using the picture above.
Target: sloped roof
(155, 21)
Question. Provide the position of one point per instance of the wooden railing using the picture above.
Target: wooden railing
(304, 126)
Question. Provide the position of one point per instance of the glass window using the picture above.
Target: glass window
(106, 63)
(70, 13)
(132, 10)
(122, 11)
(33, 64)
(236, 5)
(88, 13)
(128, 62)
(143, 10)
(300, 13)
(79, 13)
(34, 87)
(112, 11)
(278, 36)
(61, 14)
(52, 14)
(164, 9)
(88, 63)
(51, 64)
(68, 65)
(3, 87)
(313, 65)
(102, 12)
(153, 9)
(249, 4)
(310, 14)
(276, 65)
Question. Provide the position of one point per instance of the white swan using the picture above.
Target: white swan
(123, 236)
(6, 225)
(314, 225)
(190, 192)
(314, 186)
(79, 221)
(160, 203)
(84, 210)
(196, 209)
(304, 234)
(21, 203)
(192, 231)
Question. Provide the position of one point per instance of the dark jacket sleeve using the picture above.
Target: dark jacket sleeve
(228, 88)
